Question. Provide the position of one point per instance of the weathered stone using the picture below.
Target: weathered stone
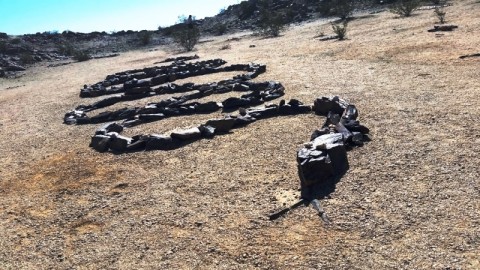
(243, 120)
(187, 134)
(324, 105)
(221, 125)
(110, 127)
(240, 87)
(161, 142)
(207, 131)
(119, 143)
(355, 126)
(151, 117)
(100, 142)
(207, 107)
(234, 102)
(138, 90)
(160, 79)
(107, 102)
(263, 112)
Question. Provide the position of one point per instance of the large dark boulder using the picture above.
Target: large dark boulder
(161, 142)
(187, 134)
(100, 142)
(324, 105)
(221, 125)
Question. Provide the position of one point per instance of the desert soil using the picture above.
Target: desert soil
(411, 199)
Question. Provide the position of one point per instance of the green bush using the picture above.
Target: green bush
(272, 25)
(340, 30)
(145, 37)
(26, 58)
(220, 29)
(81, 55)
(405, 8)
(440, 13)
(187, 36)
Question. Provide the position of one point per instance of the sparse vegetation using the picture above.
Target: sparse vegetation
(3, 46)
(81, 55)
(440, 13)
(270, 23)
(220, 29)
(340, 30)
(405, 8)
(186, 34)
(145, 37)
(27, 58)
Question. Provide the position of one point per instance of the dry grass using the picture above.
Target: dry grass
(410, 199)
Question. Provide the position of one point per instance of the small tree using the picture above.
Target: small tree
(440, 13)
(145, 37)
(186, 33)
(405, 8)
(270, 23)
(340, 30)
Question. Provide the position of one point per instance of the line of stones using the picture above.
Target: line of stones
(108, 136)
(136, 89)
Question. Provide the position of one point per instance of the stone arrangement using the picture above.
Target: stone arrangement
(320, 161)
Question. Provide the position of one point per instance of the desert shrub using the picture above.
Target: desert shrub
(247, 9)
(340, 30)
(405, 8)
(3, 35)
(16, 41)
(145, 37)
(220, 29)
(271, 25)
(81, 55)
(66, 49)
(26, 58)
(186, 35)
(440, 13)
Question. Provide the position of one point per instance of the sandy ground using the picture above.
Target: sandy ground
(411, 199)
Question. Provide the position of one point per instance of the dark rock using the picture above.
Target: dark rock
(324, 105)
(445, 27)
(234, 102)
(263, 113)
(207, 107)
(244, 120)
(110, 127)
(350, 113)
(207, 131)
(107, 102)
(317, 133)
(14, 68)
(161, 142)
(160, 79)
(100, 142)
(119, 143)
(221, 125)
(187, 134)
(151, 117)
(137, 90)
(240, 87)
(355, 126)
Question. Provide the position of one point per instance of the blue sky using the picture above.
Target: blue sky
(31, 16)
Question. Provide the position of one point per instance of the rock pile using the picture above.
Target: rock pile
(323, 160)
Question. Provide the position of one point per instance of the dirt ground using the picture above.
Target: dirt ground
(411, 199)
